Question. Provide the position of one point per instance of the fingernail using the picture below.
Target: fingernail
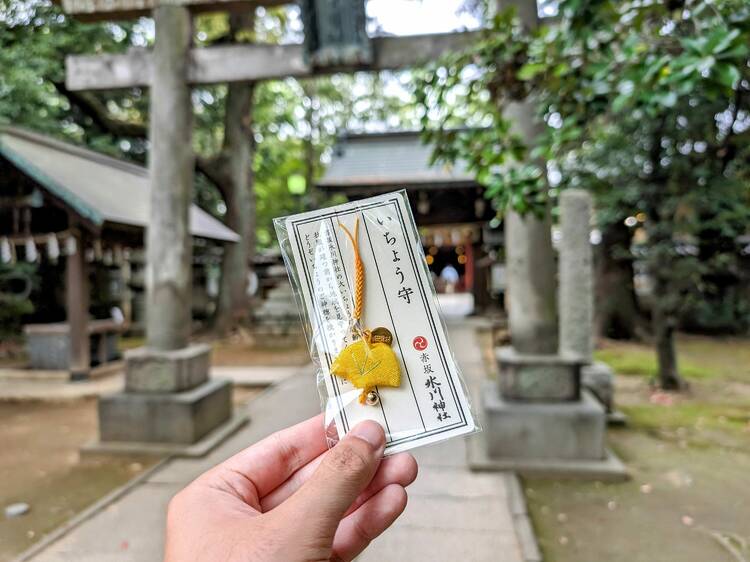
(371, 432)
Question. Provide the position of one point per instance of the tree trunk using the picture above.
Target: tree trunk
(239, 197)
(664, 323)
(616, 308)
(235, 171)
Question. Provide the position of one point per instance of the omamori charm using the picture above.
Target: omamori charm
(369, 362)
(385, 358)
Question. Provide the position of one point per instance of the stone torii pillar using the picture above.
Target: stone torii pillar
(168, 397)
(168, 246)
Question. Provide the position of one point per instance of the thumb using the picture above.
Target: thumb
(344, 473)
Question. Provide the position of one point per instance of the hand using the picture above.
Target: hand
(289, 499)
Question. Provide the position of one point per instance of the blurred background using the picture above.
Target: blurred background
(138, 183)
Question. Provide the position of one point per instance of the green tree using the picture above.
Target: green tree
(249, 139)
(645, 104)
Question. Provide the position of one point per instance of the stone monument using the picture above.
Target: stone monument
(537, 417)
(577, 300)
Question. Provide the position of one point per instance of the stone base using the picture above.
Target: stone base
(600, 380)
(543, 378)
(150, 417)
(543, 431)
(195, 450)
(608, 469)
(617, 418)
(150, 370)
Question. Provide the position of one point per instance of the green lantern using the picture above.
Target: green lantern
(335, 34)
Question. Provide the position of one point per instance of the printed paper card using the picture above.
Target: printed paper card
(429, 404)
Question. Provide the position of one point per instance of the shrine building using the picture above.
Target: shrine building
(448, 204)
(79, 218)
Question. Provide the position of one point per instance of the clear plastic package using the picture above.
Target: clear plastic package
(372, 322)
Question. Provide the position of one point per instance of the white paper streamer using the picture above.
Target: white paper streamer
(53, 247)
(30, 248)
(6, 256)
(71, 246)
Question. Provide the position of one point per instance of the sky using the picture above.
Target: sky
(414, 17)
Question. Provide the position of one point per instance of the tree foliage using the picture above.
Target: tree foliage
(293, 124)
(644, 103)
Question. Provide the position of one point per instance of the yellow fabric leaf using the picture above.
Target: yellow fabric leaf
(367, 366)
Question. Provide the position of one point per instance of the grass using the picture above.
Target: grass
(642, 362)
(698, 358)
(694, 419)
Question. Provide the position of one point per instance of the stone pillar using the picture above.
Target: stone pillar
(169, 246)
(77, 310)
(530, 267)
(577, 297)
(576, 275)
(168, 399)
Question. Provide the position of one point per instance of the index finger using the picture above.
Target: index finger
(271, 461)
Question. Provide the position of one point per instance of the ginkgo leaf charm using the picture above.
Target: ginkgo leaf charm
(369, 361)
(367, 365)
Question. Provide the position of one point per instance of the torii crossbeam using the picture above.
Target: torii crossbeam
(243, 63)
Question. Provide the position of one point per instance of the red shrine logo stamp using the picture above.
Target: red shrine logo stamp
(420, 343)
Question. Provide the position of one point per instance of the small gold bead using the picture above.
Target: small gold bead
(372, 398)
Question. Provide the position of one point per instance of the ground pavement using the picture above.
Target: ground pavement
(453, 514)
(15, 384)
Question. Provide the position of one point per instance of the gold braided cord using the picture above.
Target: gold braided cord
(359, 271)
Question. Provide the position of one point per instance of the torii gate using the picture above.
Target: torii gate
(169, 364)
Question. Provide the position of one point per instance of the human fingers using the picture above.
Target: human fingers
(316, 509)
(362, 526)
(259, 469)
(398, 469)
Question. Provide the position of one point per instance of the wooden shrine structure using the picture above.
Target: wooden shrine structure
(448, 204)
(64, 203)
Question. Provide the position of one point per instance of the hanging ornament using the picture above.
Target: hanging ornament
(30, 250)
(71, 246)
(369, 361)
(53, 247)
(5, 252)
(98, 250)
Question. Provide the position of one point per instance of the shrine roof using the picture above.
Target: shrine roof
(99, 188)
(396, 159)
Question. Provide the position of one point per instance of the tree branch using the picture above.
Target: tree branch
(93, 108)
(213, 168)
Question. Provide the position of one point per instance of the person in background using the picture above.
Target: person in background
(450, 277)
